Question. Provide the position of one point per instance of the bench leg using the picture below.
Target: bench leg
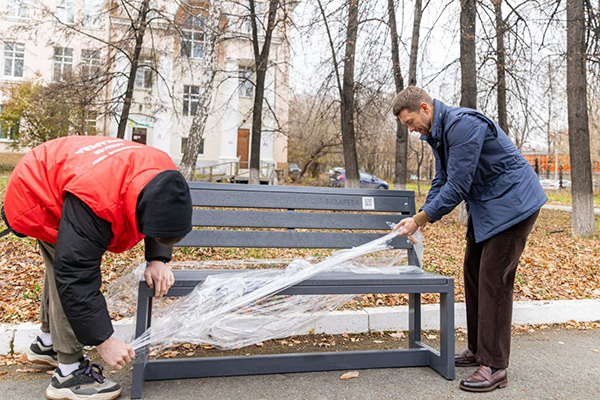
(414, 319)
(143, 321)
(447, 334)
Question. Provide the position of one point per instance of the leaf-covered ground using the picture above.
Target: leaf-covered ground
(554, 265)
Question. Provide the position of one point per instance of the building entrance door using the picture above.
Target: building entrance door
(138, 135)
(243, 143)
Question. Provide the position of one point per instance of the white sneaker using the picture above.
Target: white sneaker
(85, 383)
(39, 354)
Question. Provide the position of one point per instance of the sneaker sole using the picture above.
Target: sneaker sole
(41, 359)
(53, 393)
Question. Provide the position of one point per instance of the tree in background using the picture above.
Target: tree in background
(207, 20)
(579, 135)
(45, 112)
(314, 133)
(400, 175)
(261, 63)
(468, 59)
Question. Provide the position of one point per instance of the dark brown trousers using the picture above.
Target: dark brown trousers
(489, 270)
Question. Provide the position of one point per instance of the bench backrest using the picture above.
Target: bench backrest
(235, 215)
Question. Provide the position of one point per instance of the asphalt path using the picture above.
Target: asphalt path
(545, 364)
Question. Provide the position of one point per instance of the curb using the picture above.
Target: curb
(374, 319)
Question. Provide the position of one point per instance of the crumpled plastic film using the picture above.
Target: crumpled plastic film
(234, 310)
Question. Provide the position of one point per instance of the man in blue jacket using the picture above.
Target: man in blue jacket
(477, 162)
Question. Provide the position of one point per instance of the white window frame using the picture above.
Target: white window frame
(184, 144)
(144, 75)
(63, 59)
(65, 11)
(14, 56)
(193, 37)
(191, 96)
(92, 12)
(246, 81)
(5, 131)
(16, 8)
(90, 63)
(259, 10)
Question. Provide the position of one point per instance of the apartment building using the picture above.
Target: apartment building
(56, 40)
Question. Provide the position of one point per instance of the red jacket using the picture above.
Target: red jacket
(106, 173)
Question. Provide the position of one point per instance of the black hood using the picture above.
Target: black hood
(164, 207)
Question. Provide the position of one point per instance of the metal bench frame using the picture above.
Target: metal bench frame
(283, 208)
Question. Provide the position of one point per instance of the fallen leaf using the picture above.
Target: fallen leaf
(561, 342)
(29, 370)
(349, 375)
(50, 372)
(397, 335)
(377, 341)
(3, 373)
(595, 350)
(260, 344)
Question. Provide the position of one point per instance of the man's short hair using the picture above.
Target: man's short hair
(410, 99)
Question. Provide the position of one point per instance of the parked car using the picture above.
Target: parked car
(337, 178)
(554, 184)
(294, 170)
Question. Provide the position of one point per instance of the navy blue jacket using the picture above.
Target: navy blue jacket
(477, 162)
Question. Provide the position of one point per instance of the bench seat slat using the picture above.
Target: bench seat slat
(289, 220)
(284, 239)
(191, 278)
(340, 201)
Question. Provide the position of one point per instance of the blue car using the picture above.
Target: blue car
(337, 178)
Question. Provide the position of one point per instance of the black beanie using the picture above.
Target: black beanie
(164, 207)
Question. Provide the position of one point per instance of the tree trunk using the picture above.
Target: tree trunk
(261, 63)
(205, 83)
(347, 107)
(414, 47)
(501, 66)
(468, 69)
(139, 30)
(401, 130)
(468, 66)
(579, 135)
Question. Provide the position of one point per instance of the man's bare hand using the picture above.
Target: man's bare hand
(116, 353)
(160, 277)
(406, 227)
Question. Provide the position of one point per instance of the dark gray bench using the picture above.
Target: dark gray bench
(284, 210)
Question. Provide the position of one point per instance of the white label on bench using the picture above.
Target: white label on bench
(368, 203)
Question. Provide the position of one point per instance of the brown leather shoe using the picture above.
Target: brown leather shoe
(482, 380)
(466, 359)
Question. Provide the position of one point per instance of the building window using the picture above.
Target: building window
(14, 59)
(8, 131)
(89, 127)
(16, 8)
(190, 99)
(92, 13)
(65, 11)
(246, 85)
(62, 65)
(193, 37)
(184, 142)
(258, 9)
(143, 75)
(90, 63)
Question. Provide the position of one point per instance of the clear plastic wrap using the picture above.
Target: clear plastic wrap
(234, 310)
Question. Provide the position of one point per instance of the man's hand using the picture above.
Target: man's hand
(116, 353)
(160, 277)
(406, 227)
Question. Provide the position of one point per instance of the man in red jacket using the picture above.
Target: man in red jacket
(81, 196)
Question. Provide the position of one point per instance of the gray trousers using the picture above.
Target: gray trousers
(52, 316)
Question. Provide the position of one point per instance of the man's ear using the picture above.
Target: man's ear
(424, 107)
